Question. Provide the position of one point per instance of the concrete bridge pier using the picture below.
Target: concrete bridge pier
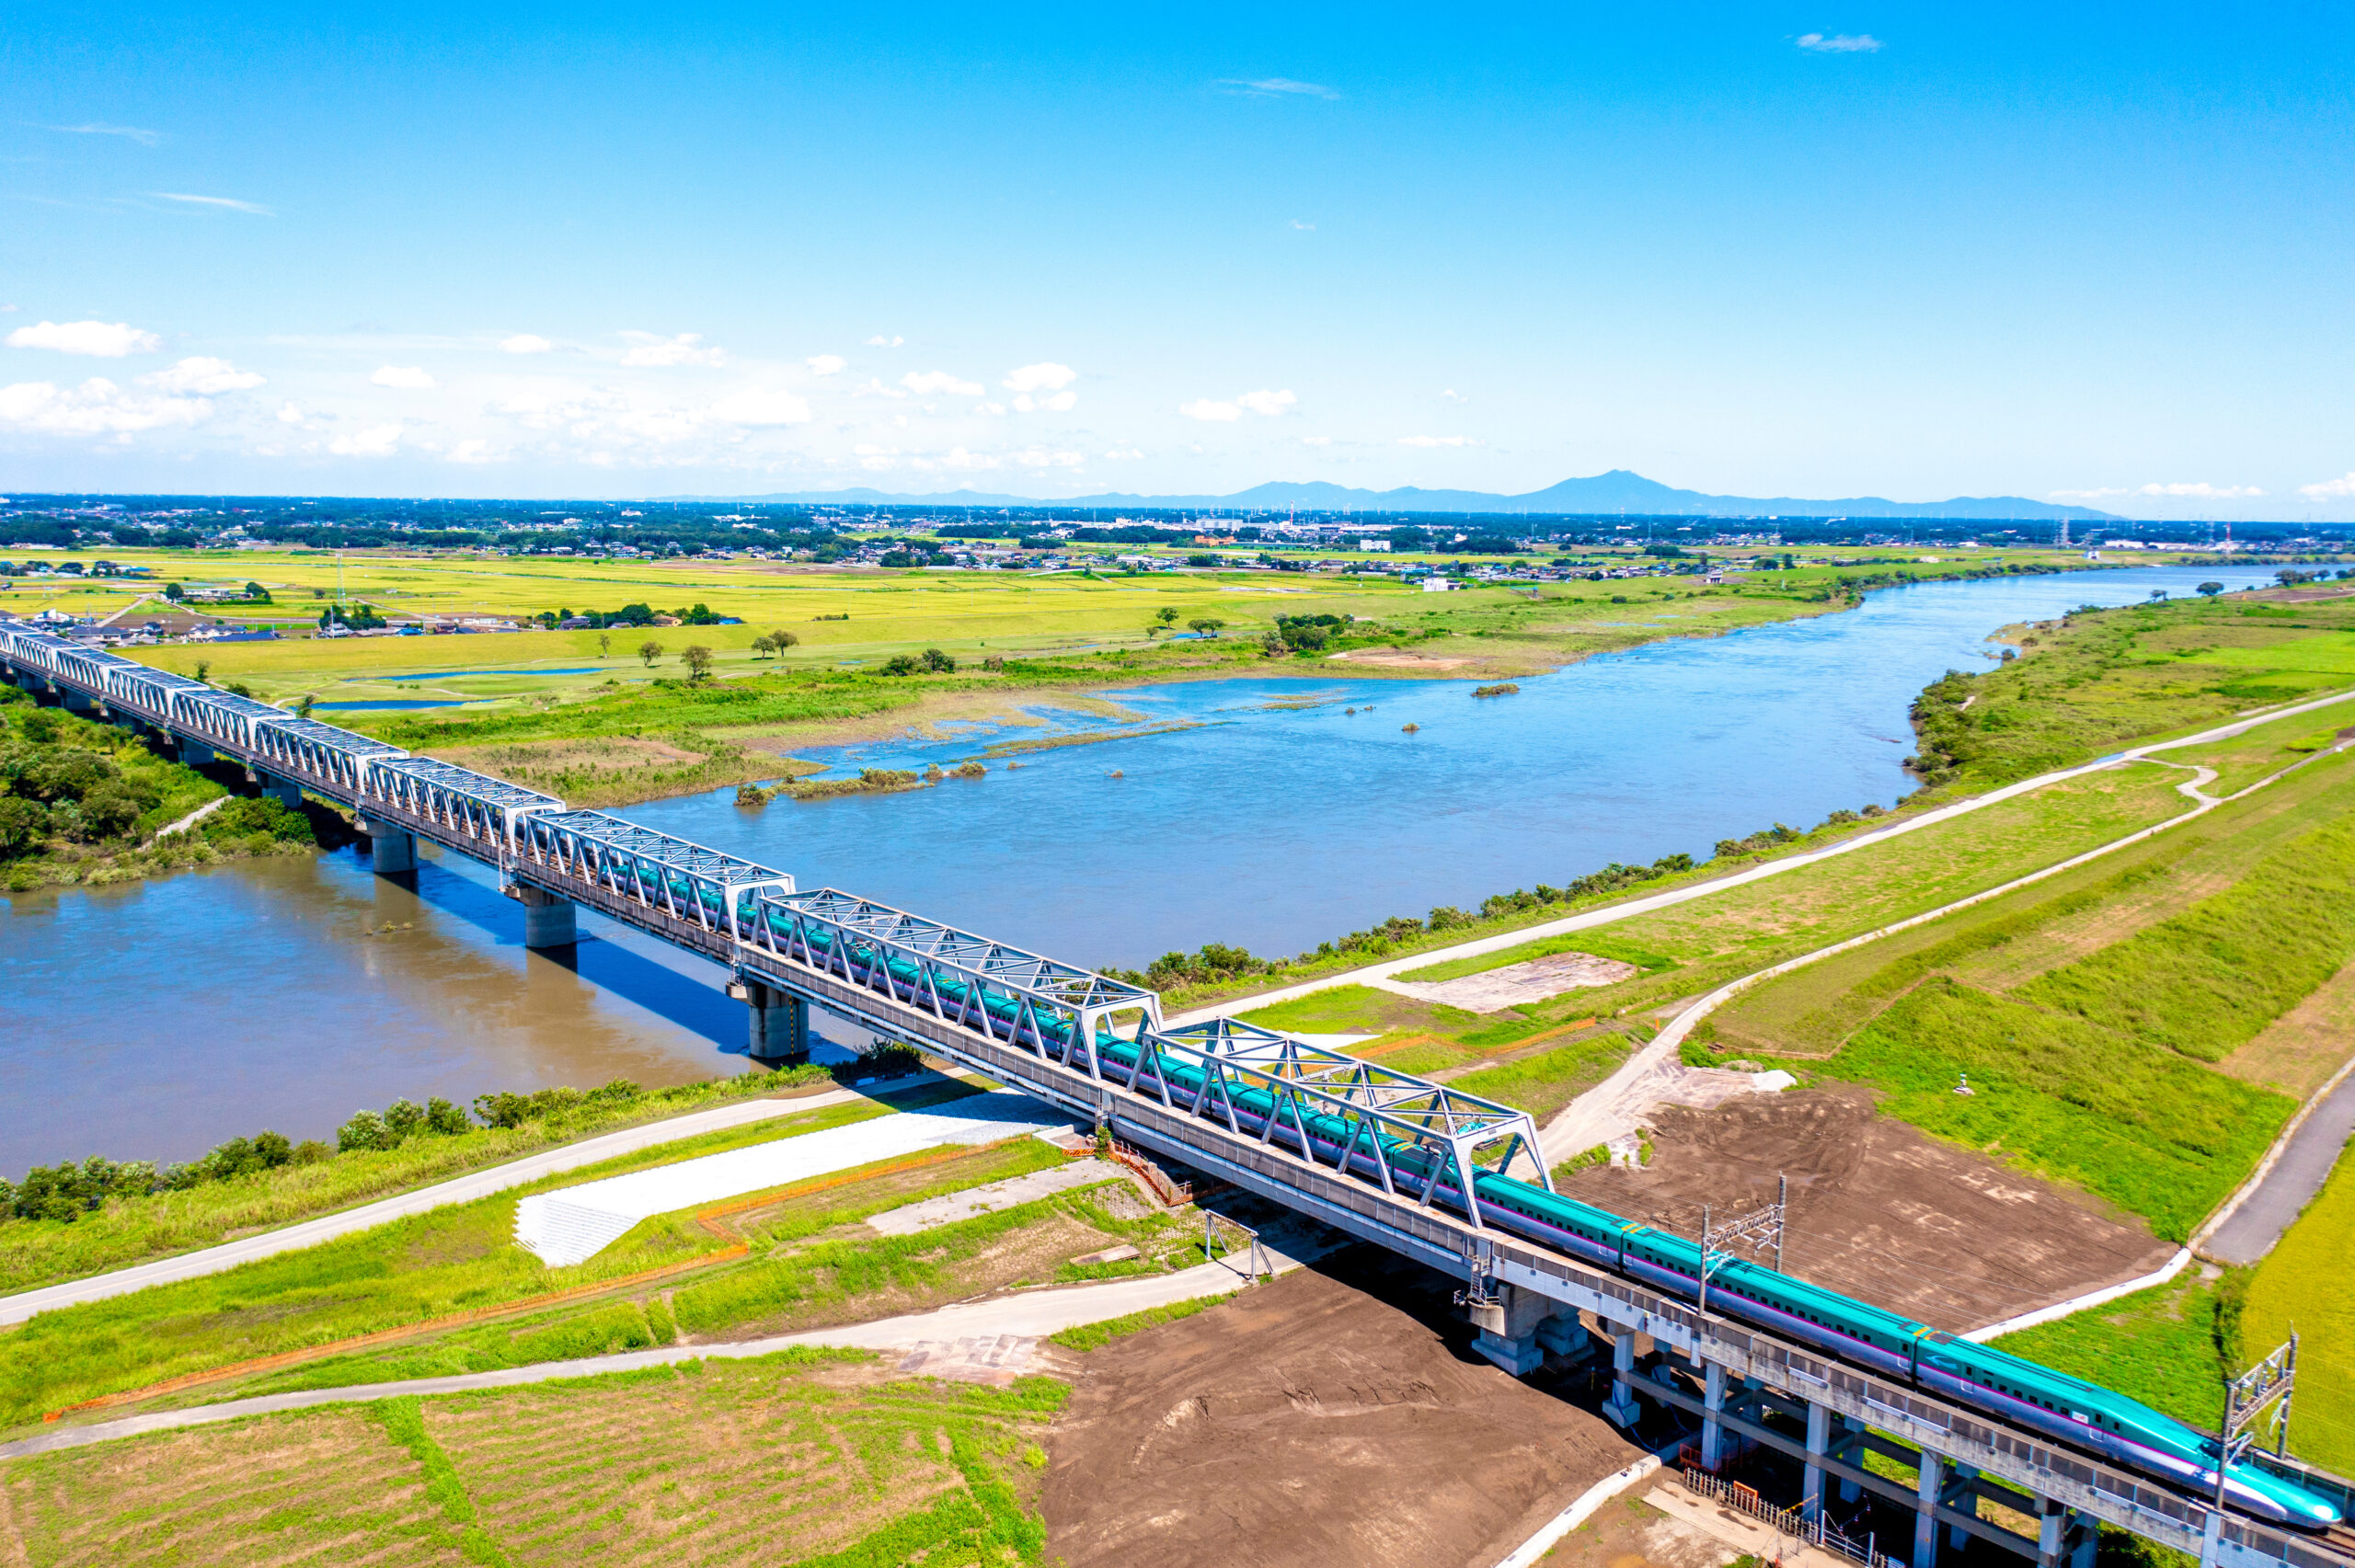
(195, 751)
(1713, 1399)
(1818, 1439)
(77, 702)
(548, 920)
(1927, 1489)
(391, 849)
(286, 791)
(1620, 1409)
(1508, 1328)
(778, 1022)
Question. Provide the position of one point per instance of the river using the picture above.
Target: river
(156, 1019)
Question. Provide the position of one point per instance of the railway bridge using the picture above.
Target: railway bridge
(1098, 1048)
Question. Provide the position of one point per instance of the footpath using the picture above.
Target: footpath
(997, 1335)
(1373, 974)
(461, 1189)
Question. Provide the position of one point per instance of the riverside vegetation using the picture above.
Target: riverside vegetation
(81, 802)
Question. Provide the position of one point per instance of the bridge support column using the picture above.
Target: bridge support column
(76, 702)
(779, 1022)
(548, 920)
(1508, 1328)
(1712, 1397)
(1925, 1515)
(2085, 1537)
(1964, 1499)
(2211, 1539)
(194, 752)
(391, 849)
(1621, 1410)
(1851, 1447)
(1819, 1439)
(2052, 1524)
(286, 791)
(1562, 1334)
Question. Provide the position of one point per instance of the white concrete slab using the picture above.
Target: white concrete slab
(576, 1224)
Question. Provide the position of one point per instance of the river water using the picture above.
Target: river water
(156, 1019)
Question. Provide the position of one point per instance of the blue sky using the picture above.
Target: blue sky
(1918, 252)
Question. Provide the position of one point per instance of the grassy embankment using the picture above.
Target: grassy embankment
(822, 1456)
(125, 1229)
(811, 1263)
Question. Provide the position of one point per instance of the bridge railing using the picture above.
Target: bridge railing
(1052, 1010)
(319, 755)
(656, 872)
(469, 810)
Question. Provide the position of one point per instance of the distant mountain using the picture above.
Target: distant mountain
(1618, 490)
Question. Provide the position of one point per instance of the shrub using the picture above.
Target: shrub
(365, 1131)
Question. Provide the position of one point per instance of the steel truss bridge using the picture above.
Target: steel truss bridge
(1098, 1048)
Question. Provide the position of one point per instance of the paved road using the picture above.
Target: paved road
(1592, 918)
(1024, 1313)
(2304, 1163)
(463, 1189)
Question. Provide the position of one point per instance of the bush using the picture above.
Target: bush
(365, 1131)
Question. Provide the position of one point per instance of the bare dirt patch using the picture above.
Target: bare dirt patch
(1396, 659)
(2299, 1051)
(1493, 991)
(1336, 1416)
(1878, 1211)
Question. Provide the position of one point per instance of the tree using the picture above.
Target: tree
(2211, 590)
(22, 823)
(698, 659)
(302, 709)
(649, 650)
(203, 668)
(1166, 615)
(258, 593)
(1206, 626)
(782, 640)
(174, 592)
(2158, 593)
(938, 662)
(764, 646)
(605, 645)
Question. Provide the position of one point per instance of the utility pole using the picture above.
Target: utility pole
(2271, 1382)
(1761, 1228)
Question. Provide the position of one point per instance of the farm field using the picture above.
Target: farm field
(799, 1456)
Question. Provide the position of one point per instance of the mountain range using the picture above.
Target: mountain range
(1617, 491)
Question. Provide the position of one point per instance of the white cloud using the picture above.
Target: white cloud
(202, 376)
(404, 378)
(1450, 396)
(1039, 457)
(994, 409)
(1839, 43)
(101, 339)
(474, 449)
(1316, 440)
(879, 342)
(931, 384)
(290, 414)
(96, 407)
(377, 441)
(1124, 455)
(525, 343)
(129, 133)
(1060, 403)
(1264, 402)
(876, 458)
(653, 349)
(1277, 86)
(2203, 492)
(1204, 409)
(826, 364)
(1441, 440)
(2329, 490)
(1306, 228)
(226, 204)
(758, 406)
(1045, 376)
(958, 457)
(874, 388)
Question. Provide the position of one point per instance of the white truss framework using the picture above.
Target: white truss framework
(479, 812)
(961, 979)
(319, 754)
(671, 875)
(1335, 1109)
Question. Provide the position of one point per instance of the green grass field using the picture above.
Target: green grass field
(806, 1458)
